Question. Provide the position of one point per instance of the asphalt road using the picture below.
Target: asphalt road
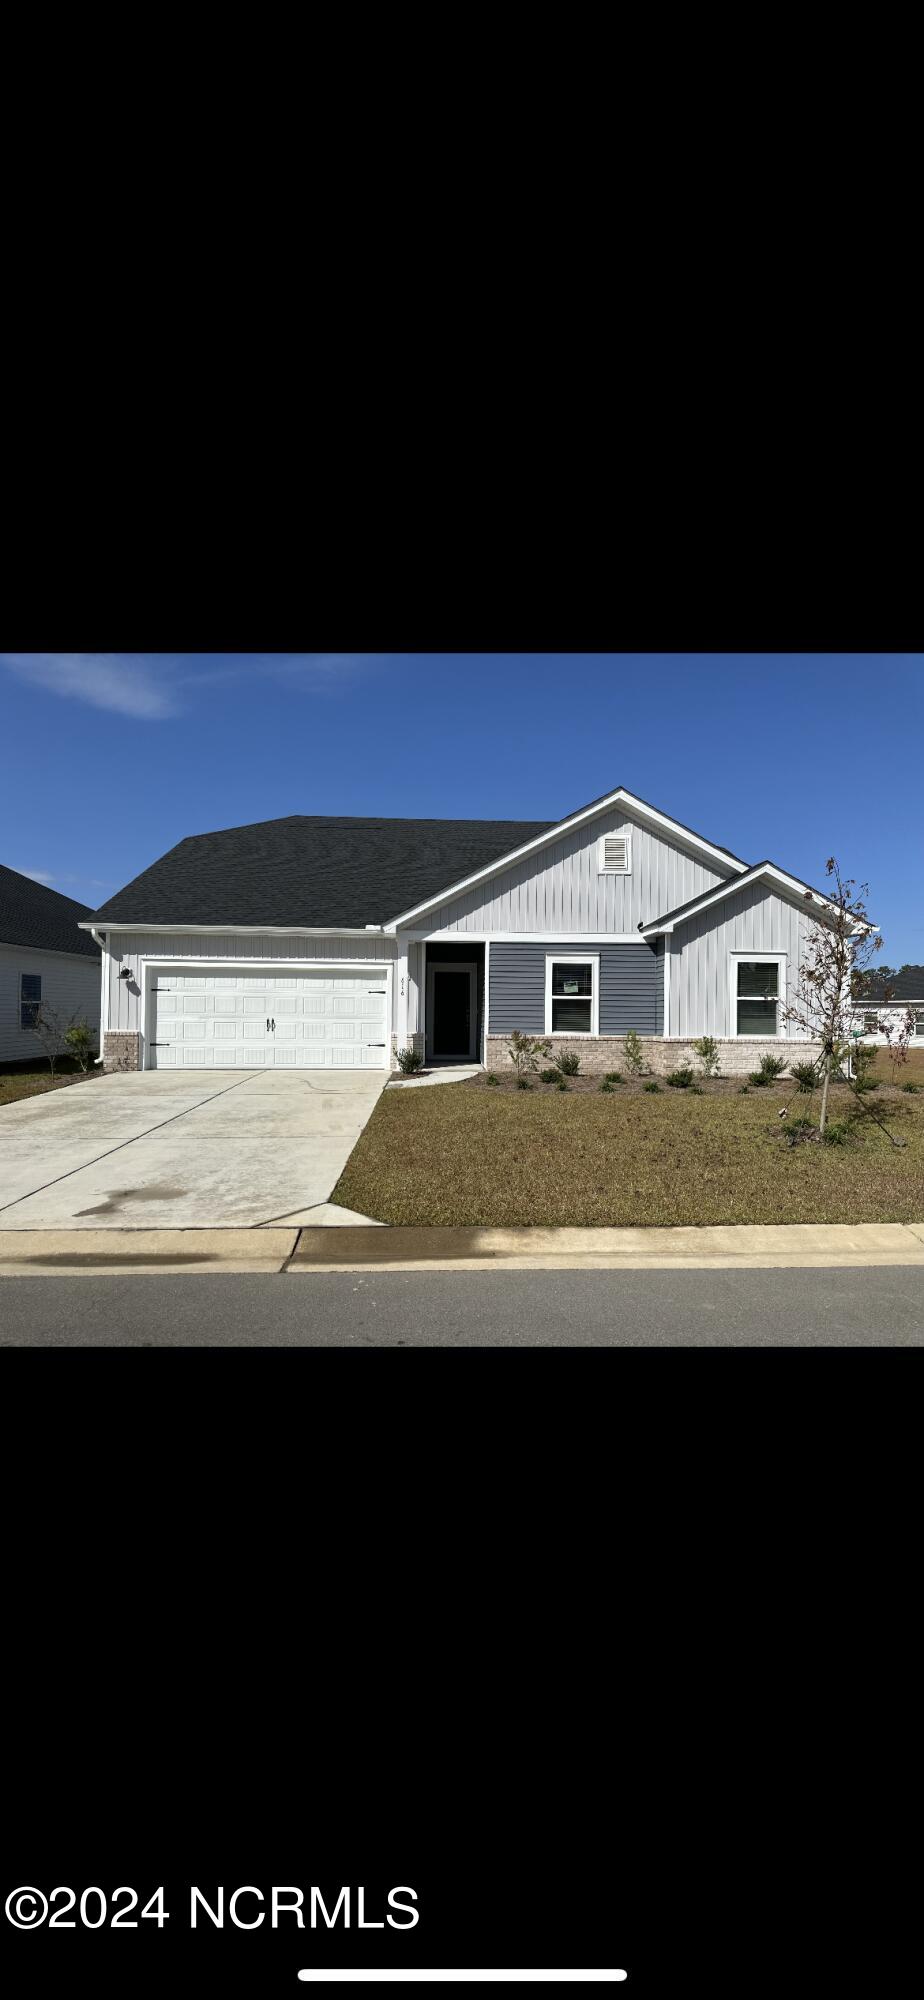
(881, 1307)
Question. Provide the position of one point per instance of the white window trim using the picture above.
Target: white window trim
(28, 1003)
(591, 958)
(757, 958)
(615, 833)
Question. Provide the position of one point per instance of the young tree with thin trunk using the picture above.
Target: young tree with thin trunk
(52, 1032)
(840, 945)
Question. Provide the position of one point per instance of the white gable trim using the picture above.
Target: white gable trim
(647, 815)
(766, 872)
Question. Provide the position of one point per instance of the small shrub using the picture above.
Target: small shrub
(561, 1084)
(606, 1087)
(744, 1090)
(707, 1049)
(805, 1076)
(569, 1062)
(680, 1079)
(613, 1076)
(771, 1067)
(695, 1090)
(523, 1083)
(865, 1083)
(549, 1075)
(911, 1088)
(493, 1080)
(634, 1054)
(653, 1085)
(81, 1043)
(524, 1052)
(757, 1078)
(409, 1060)
(836, 1132)
(862, 1058)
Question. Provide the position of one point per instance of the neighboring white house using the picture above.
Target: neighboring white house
(905, 991)
(330, 943)
(45, 960)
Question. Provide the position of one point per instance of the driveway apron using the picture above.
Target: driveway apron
(180, 1150)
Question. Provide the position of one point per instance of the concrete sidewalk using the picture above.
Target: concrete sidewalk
(45, 1252)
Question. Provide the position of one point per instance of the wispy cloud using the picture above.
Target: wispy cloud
(136, 684)
(321, 673)
(72, 881)
(152, 687)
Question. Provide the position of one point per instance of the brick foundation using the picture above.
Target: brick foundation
(121, 1050)
(736, 1057)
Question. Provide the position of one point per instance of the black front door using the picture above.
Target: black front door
(452, 1018)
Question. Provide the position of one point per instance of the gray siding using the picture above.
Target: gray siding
(754, 920)
(560, 888)
(629, 976)
(70, 984)
(129, 949)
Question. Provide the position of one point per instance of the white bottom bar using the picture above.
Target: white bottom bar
(450, 1973)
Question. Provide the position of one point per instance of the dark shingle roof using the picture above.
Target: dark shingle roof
(32, 914)
(319, 873)
(908, 984)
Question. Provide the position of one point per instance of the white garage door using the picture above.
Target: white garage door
(255, 1020)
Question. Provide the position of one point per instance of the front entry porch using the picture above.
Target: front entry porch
(454, 1002)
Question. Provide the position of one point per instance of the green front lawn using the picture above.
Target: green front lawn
(469, 1155)
(17, 1083)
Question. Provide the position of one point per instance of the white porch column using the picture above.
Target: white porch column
(402, 985)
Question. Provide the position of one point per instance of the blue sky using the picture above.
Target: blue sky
(110, 758)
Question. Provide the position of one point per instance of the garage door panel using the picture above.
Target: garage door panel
(210, 1020)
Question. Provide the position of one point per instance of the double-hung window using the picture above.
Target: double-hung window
(918, 1029)
(30, 998)
(572, 995)
(758, 993)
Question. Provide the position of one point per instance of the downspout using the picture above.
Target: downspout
(104, 1011)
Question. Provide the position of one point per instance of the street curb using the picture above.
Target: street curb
(301, 1250)
(809, 1245)
(46, 1253)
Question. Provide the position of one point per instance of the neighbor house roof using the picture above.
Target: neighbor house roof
(312, 872)
(761, 871)
(906, 985)
(32, 914)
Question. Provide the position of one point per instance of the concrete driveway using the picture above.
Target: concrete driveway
(173, 1149)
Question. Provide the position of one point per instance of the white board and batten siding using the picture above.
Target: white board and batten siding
(560, 890)
(700, 985)
(70, 985)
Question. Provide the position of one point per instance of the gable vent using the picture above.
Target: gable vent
(614, 854)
